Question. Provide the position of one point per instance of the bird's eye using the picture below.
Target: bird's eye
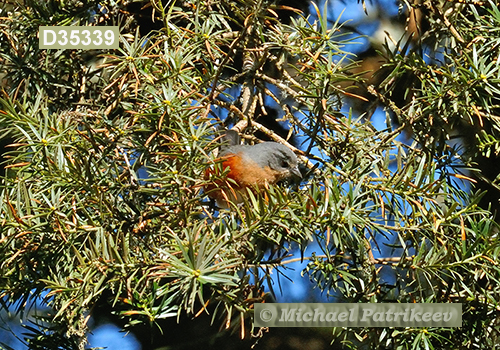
(284, 164)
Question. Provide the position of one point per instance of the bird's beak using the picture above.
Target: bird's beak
(295, 172)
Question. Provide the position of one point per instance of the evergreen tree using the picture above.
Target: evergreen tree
(102, 201)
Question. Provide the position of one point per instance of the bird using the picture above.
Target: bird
(249, 167)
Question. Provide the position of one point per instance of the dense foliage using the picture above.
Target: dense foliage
(102, 198)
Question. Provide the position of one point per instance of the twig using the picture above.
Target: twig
(379, 261)
(450, 26)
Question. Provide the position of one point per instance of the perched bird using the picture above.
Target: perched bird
(250, 167)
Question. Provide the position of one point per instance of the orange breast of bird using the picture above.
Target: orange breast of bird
(242, 173)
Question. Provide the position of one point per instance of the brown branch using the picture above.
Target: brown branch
(378, 261)
(448, 24)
